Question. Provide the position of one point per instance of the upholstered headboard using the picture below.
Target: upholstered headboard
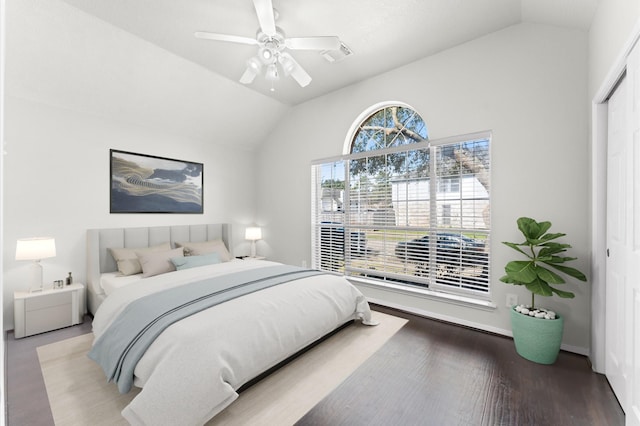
(99, 260)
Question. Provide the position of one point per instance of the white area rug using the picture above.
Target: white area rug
(79, 394)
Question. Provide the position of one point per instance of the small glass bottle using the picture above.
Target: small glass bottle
(69, 279)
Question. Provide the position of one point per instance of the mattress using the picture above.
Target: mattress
(111, 281)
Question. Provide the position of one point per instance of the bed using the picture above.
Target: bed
(190, 367)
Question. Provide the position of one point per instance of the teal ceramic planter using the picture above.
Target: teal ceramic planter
(537, 339)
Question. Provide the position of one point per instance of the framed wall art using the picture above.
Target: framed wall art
(149, 184)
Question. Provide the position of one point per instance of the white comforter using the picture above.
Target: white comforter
(192, 370)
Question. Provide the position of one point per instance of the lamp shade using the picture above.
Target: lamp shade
(271, 73)
(253, 233)
(35, 248)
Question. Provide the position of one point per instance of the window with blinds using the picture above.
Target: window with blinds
(414, 214)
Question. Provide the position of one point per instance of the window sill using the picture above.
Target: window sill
(455, 299)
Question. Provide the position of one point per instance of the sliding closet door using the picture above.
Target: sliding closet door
(623, 242)
(617, 240)
(633, 247)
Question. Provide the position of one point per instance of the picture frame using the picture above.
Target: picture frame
(141, 183)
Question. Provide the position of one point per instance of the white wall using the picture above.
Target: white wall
(58, 185)
(58, 55)
(610, 30)
(77, 87)
(527, 84)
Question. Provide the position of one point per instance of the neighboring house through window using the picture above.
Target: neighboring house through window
(377, 216)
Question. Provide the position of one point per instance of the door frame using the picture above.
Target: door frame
(599, 127)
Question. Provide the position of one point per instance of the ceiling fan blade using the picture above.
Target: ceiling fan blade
(313, 43)
(225, 37)
(248, 76)
(293, 68)
(301, 76)
(266, 18)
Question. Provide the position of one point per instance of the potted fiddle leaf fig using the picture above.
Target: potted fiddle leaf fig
(537, 332)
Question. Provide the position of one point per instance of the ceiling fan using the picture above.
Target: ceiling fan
(272, 47)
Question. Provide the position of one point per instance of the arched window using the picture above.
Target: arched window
(388, 127)
(404, 210)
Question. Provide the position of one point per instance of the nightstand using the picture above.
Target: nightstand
(47, 310)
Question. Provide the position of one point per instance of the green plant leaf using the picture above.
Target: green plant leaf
(509, 280)
(553, 248)
(531, 229)
(539, 287)
(544, 240)
(549, 237)
(573, 272)
(526, 229)
(523, 224)
(553, 245)
(534, 241)
(564, 294)
(548, 276)
(521, 270)
(544, 251)
(557, 259)
(543, 227)
(515, 247)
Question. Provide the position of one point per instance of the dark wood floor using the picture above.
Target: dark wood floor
(433, 373)
(429, 373)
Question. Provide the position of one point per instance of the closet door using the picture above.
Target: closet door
(617, 242)
(633, 247)
(623, 242)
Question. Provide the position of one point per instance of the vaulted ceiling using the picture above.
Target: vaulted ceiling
(383, 34)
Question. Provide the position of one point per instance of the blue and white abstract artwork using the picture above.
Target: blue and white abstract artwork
(149, 184)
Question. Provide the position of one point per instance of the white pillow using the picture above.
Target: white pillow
(127, 258)
(158, 262)
(213, 246)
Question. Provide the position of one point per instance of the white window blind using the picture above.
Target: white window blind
(377, 215)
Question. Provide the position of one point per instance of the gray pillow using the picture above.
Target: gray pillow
(158, 262)
(213, 246)
(127, 259)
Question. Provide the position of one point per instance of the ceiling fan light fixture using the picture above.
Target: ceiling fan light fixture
(287, 64)
(266, 54)
(272, 73)
(254, 64)
(272, 47)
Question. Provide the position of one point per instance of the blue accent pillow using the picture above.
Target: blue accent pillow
(186, 262)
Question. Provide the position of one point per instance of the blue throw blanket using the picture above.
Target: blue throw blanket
(126, 340)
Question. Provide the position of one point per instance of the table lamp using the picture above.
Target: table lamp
(253, 233)
(35, 249)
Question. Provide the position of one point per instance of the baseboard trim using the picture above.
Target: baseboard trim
(4, 412)
(470, 324)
